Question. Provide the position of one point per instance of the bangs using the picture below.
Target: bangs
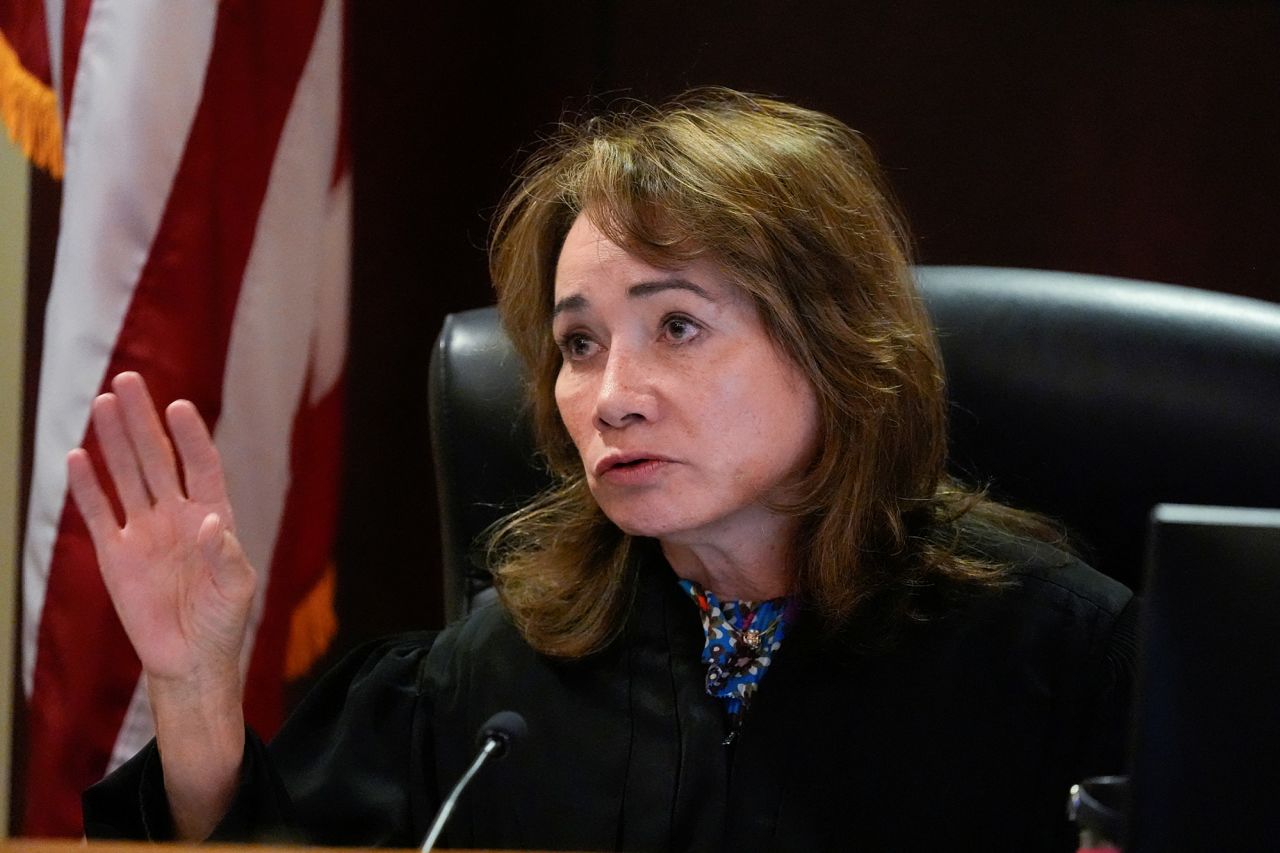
(634, 200)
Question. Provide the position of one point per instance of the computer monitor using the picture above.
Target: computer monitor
(1205, 765)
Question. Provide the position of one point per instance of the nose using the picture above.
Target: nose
(625, 395)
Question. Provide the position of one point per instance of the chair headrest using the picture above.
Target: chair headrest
(1085, 397)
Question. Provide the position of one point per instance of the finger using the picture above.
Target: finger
(99, 517)
(150, 443)
(117, 450)
(201, 464)
(232, 573)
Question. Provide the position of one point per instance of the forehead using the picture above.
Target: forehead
(586, 253)
(589, 261)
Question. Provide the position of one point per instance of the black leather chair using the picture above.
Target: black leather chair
(1085, 397)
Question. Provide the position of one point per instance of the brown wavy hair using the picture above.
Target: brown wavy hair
(790, 203)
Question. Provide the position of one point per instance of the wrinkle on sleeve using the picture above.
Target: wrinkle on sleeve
(1115, 674)
(350, 767)
(129, 804)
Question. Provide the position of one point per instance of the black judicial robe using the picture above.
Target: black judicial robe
(965, 734)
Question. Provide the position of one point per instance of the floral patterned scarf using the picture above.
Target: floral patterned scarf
(742, 637)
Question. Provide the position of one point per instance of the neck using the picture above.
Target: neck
(740, 573)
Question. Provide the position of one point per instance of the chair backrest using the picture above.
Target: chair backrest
(1085, 397)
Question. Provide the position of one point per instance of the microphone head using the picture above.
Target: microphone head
(502, 728)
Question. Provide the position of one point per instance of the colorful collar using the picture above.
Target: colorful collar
(742, 637)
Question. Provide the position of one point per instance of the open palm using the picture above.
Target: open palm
(175, 572)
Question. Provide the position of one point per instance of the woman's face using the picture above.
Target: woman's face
(685, 414)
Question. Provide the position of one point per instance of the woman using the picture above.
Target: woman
(753, 612)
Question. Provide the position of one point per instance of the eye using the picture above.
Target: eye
(576, 346)
(678, 328)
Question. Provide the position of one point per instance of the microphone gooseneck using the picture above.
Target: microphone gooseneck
(493, 740)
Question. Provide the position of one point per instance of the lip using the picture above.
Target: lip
(623, 465)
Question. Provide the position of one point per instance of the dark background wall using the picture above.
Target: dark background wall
(1131, 139)
(1137, 139)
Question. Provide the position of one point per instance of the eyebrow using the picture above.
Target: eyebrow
(578, 302)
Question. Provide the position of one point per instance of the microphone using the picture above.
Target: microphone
(494, 740)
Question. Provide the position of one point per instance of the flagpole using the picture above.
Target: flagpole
(14, 191)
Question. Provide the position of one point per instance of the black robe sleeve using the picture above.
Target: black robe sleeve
(965, 734)
(352, 766)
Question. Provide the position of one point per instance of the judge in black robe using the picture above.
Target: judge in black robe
(964, 733)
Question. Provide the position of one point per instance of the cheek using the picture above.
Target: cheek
(575, 414)
(807, 422)
(788, 420)
(800, 401)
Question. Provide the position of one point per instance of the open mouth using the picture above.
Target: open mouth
(629, 465)
(629, 469)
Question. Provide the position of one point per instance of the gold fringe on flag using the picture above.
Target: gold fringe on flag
(29, 110)
(311, 627)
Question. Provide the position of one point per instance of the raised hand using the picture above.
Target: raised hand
(180, 584)
(179, 581)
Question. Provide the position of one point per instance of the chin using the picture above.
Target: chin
(636, 523)
(634, 527)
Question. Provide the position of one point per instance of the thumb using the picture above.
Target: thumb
(221, 549)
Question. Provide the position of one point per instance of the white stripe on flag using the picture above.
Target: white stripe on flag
(136, 730)
(329, 358)
(279, 313)
(54, 10)
(140, 106)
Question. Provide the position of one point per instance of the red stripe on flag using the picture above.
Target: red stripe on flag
(175, 333)
(24, 28)
(75, 15)
(307, 529)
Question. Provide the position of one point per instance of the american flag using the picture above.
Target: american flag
(203, 242)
